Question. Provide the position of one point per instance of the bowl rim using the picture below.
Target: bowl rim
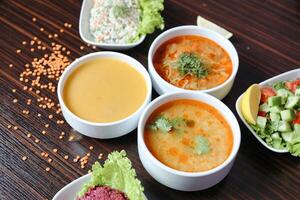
(233, 123)
(193, 27)
(142, 38)
(120, 56)
(237, 107)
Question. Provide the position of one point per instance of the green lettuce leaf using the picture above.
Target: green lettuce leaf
(150, 18)
(117, 172)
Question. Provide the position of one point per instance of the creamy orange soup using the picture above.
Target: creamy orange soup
(188, 135)
(104, 90)
(192, 62)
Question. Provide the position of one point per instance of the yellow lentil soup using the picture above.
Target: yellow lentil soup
(104, 90)
(188, 135)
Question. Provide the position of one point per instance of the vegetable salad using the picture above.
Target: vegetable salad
(278, 120)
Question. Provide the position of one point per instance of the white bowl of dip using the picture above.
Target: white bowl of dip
(87, 37)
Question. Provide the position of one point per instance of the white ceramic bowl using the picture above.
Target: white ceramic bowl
(161, 86)
(290, 75)
(111, 129)
(179, 180)
(87, 37)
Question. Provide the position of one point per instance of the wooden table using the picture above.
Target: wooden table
(266, 36)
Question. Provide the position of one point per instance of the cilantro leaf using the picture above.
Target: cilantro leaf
(163, 124)
(202, 145)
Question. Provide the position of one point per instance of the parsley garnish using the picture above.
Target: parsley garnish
(202, 145)
(190, 63)
(165, 124)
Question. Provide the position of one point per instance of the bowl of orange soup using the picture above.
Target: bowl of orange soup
(188, 141)
(192, 58)
(103, 94)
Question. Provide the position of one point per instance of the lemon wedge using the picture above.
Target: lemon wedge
(212, 26)
(250, 103)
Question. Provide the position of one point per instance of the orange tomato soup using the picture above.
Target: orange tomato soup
(199, 138)
(213, 58)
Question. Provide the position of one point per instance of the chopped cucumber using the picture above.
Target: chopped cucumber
(287, 115)
(264, 107)
(276, 140)
(292, 101)
(284, 126)
(276, 109)
(275, 101)
(297, 128)
(287, 136)
(297, 92)
(284, 93)
(275, 117)
(261, 121)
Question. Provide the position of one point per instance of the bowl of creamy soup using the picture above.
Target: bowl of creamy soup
(188, 141)
(192, 58)
(103, 94)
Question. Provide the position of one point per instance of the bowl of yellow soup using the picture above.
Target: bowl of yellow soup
(194, 59)
(102, 94)
(188, 141)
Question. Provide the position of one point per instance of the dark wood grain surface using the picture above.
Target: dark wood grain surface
(266, 36)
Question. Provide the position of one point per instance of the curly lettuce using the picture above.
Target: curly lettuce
(150, 18)
(117, 172)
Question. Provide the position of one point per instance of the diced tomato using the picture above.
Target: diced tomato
(289, 85)
(297, 119)
(266, 92)
(292, 86)
(262, 113)
(295, 85)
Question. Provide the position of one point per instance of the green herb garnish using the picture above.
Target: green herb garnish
(120, 11)
(190, 63)
(165, 124)
(202, 145)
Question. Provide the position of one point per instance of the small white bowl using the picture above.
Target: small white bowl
(161, 86)
(87, 37)
(111, 129)
(290, 75)
(179, 180)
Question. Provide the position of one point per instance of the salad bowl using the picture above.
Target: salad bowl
(290, 75)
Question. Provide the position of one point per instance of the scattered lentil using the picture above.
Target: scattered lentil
(24, 158)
